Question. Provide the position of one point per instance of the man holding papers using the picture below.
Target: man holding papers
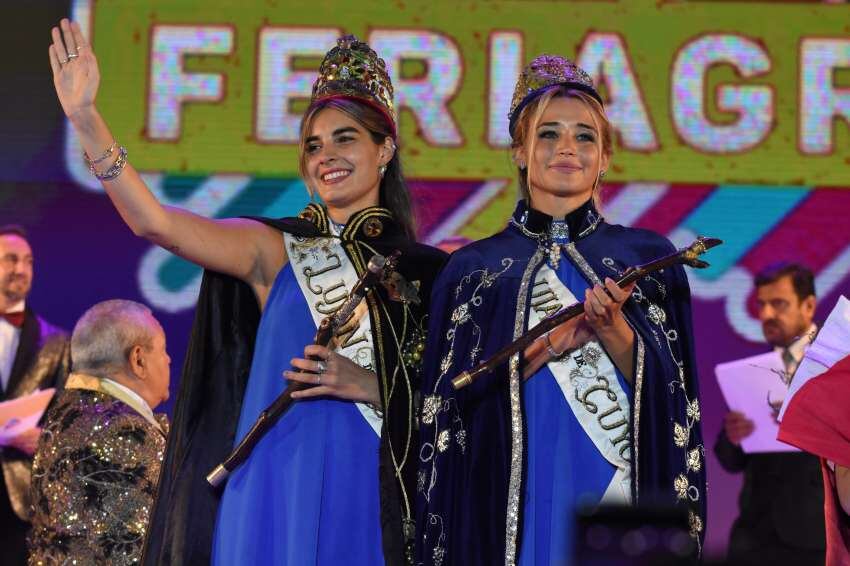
(781, 502)
(33, 355)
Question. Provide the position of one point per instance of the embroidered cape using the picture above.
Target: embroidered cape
(216, 370)
(471, 458)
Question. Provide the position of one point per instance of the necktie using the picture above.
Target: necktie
(16, 319)
(790, 364)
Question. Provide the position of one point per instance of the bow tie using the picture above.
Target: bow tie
(16, 319)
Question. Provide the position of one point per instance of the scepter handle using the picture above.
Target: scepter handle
(688, 256)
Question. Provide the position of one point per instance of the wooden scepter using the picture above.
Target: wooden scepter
(686, 256)
(377, 268)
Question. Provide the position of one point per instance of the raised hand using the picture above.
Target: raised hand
(75, 72)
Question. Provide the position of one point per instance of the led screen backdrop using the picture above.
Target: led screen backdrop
(731, 117)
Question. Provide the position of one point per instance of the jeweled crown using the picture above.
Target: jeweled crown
(352, 69)
(543, 72)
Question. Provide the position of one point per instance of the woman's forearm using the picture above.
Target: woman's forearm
(619, 341)
(140, 210)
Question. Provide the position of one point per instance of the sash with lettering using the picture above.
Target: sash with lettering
(588, 380)
(325, 277)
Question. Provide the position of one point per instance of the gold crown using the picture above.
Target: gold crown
(543, 72)
(352, 69)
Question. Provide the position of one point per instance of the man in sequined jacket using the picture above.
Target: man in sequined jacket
(97, 465)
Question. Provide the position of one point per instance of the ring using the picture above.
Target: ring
(321, 367)
(319, 378)
(72, 56)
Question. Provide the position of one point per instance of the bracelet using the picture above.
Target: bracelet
(549, 348)
(116, 169)
(106, 154)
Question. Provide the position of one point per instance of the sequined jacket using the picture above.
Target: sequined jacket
(471, 459)
(216, 373)
(93, 481)
(42, 360)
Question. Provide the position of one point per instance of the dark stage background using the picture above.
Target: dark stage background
(732, 121)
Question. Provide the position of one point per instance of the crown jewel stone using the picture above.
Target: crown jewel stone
(352, 69)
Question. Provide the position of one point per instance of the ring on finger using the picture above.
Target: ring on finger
(319, 378)
(72, 56)
(321, 367)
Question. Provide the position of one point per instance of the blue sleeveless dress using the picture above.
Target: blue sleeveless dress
(564, 470)
(309, 492)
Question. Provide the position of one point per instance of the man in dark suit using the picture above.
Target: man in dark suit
(33, 355)
(781, 502)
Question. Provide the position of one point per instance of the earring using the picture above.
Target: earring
(381, 170)
(601, 174)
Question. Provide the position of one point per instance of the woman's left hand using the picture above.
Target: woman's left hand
(341, 377)
(603, 305)
(603, 309)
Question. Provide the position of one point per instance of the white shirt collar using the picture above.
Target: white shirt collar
(131, 398)
(17, 307)
(798, 347)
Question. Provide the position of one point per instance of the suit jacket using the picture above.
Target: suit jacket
(782, 498)
(43, 360)
(94, 478)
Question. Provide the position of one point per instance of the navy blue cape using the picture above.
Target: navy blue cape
(469, 483)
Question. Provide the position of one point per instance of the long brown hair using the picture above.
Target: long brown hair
(394, 194)
(530, 118)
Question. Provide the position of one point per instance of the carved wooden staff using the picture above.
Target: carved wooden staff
(377, 269)
(687, 256)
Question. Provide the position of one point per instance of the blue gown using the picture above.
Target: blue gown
(309, 492)
(564, 469)
(487, 489)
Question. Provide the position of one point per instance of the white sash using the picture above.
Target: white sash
(325, 276)
(588, 380)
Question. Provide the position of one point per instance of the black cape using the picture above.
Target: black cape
(215, 374)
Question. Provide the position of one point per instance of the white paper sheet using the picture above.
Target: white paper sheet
(831, 345)
(23, 413)
(754, 386)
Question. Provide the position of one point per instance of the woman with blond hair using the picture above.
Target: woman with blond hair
(602, 410)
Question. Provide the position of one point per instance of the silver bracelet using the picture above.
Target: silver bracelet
(549, 348)
(115, 169)
(106, 154)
